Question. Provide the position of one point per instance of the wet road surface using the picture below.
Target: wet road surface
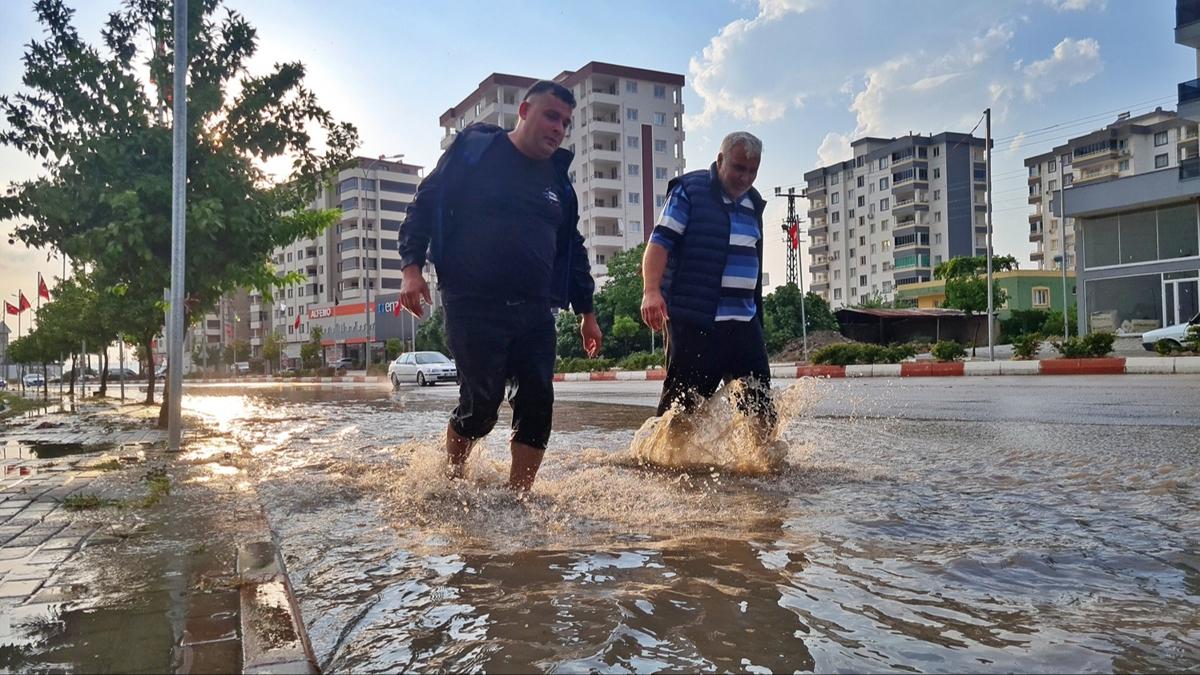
(990, 524)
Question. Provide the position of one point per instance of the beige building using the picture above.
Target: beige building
(627, 137)
(1129, 146)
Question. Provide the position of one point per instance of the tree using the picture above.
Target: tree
(621, 296)
(393, 347)
(569, 342)
(873, 301)
(104, 140)
(431, 334)
(781, 315)
(272, 349)
(966, 285)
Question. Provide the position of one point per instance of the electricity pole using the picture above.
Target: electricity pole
(987, 145)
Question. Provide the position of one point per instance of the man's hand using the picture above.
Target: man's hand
(413, 290)
(654, 310)
(592, 338)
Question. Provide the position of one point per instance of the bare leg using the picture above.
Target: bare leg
(458, 448)
(526, 460)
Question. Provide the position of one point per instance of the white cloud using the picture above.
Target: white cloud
(716, 75)
(1071, 62)
(834, 148)
(1076, 5)
(1016, 143)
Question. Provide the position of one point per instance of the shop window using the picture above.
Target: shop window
(1125, 304)
(1100, 237)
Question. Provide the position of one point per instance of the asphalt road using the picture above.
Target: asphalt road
(1143, 400)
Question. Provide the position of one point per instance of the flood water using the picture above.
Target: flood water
(885, 543)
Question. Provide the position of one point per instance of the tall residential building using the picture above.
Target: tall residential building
(627, 137)
(353, 261)
(1137, 234)
(1129, 146)
(893, 212)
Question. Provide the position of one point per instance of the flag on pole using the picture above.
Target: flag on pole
(24, 302)
(10, 308)
(43, 289)
(296, 323)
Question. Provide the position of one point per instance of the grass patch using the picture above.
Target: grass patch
(87, 502)
(108, 465)
(15, 404)
(159, 485)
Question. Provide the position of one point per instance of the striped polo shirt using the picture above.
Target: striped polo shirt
(740, 277)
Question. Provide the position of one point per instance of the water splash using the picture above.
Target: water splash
(720, 437)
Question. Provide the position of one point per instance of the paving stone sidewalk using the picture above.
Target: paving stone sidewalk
(103, 570)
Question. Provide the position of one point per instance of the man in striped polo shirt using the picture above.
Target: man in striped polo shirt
(702, 283)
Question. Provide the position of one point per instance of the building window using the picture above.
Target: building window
(883, 161)
(1160, 138)
(635, 198)
(631, 170)
(1051, 166)
(860, 181)
(1160, 161)
(937, 173)
(883, 225)
(632, 142)
(660, 91)
(833, 180)
(883, 182)
(937, 195)
(1041, 297)
(660, 146)
(937, 150)
(659, 200)
(862, 280)
(885, 245)
(1122, 165)
(660, 119)
(660, 172)
(836, 234)
(837, 274)
(631, 86)
(873, 249)
(862, 201)
(835, 198)
(884, 204)
(937, 216)
(631, 114)
(836, 218)
(1052, 185)
(937, 237)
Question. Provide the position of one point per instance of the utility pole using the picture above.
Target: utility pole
(987, 145)
(1062, 238)
(178, 228)
(791, 238)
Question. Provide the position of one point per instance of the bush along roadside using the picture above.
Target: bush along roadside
(948, 350)
(1090, 346)
(1026, 347)
(862, 354)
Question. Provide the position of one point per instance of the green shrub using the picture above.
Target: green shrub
(1092, 345)
(1022, 322)
(582, 365)
(1166, 347)
(642, 360)
(1193, 339)
(862, 354)
(1026, 346)
(948, 350)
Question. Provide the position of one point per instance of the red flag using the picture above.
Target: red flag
(24, 302)
(43, 290)
(10, 308)
(296, 323)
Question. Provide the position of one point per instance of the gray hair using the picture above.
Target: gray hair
(745, 139)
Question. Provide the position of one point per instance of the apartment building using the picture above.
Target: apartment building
(1137, 234)
(627, 137)
(893, 212)
(1129, 146)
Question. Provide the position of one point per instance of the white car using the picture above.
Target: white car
(424, 368)
(1177, 334)
(33, 380)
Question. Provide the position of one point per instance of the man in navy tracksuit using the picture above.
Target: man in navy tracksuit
(702, 280)
(499, 220)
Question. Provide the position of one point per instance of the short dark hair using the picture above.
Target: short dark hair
(553, 88)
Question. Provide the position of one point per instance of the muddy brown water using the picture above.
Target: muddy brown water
(884, 544)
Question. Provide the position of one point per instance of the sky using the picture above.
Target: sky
(806, 76)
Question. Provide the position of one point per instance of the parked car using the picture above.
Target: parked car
(114, 374)
(1176, 335)
(3, 384)
(33, 380)
(241, 367)
(423, 368)
(343, 364)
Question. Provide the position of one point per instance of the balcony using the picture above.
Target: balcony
(820, 286)
(1037, 256)
(818, 230)
(1189, 169)
(1035, 232)
(912, 261)
(1096, 174)
(817, 209)
(604, 124)
(1101, 153)
(815, 189)
(1189, 95)
(448, 139)
(1035, 177)
(909, 206)
(602, 153)
(603, 182)
(1035, 218)
(819, 249)
(819, 266)
(1034, 197)
(1187, 23)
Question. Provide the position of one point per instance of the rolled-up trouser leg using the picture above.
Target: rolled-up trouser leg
(479, 347)
(531, 377)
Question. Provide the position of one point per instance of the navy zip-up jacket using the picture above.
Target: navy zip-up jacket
(691, 283)
(430, 218)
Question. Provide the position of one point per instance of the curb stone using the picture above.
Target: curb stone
(274, 639)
